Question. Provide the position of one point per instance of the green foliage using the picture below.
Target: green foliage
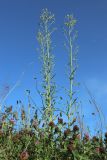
(56, 141)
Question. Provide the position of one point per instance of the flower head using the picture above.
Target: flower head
(24, 155)
(51, 124)
(75, 128)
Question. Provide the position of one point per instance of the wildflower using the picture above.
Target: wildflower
(24, 155)
(75, 128)
(51, 124)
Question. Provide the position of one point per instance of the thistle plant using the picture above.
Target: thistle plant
(70, 36)
(45, 41)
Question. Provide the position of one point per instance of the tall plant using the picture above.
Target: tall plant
(45, 41)
(70, 36)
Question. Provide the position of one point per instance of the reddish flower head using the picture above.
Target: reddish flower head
(24, 155)
(51, 124)
(75, 128)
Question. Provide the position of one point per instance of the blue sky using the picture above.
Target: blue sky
(18, 47)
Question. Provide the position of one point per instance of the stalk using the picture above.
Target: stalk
(45, 42)
(69, 44)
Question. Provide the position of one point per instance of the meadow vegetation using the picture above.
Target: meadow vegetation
(50, 137)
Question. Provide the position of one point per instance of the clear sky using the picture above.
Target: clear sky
(18, 47)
